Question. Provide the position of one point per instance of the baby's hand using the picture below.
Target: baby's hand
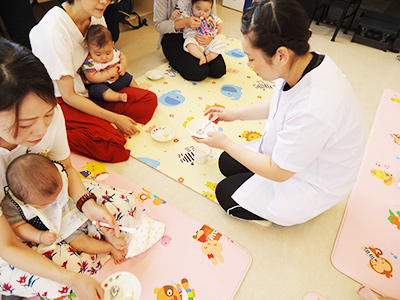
(47, 238)
(175, 14)
(113, 71)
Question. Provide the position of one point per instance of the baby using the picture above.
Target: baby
(37, 204)
(101, 70)
(211, 25)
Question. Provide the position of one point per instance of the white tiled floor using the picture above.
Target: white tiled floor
(288, 263)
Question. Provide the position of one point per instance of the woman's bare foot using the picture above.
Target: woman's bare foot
(123, 97)
(211, 56)
(117, 255)
(118, 242)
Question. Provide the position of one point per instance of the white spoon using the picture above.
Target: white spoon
(201, 130)
(122, 228)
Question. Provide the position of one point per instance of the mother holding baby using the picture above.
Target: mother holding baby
(32, 122)
(171, 40)
(59, 42)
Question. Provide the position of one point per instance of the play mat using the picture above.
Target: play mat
(192, 260)
(367, 248)
(180, 101)
(313, 296)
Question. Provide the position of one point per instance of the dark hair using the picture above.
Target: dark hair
(98, 35)
(21, 73)
(270, 24)
(210, 1)
(32, 175)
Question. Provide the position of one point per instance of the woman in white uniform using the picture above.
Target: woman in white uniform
(31, 121)
(311, 149)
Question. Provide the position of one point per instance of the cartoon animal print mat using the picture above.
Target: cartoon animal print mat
(180, 101)
(192, 260)
(367, 247)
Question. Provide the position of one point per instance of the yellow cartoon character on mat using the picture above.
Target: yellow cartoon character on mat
(187, 121)
(387, 178)
(211, 185)
(209, 195)
(395, 99)
(215, 105)
(250, 135)
(378, 264)
(175, 292)
(94, 170)
(212, 249)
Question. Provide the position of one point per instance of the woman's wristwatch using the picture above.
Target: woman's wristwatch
(83, 199)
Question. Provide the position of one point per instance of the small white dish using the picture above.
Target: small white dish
(193, 125)
(154, 74)
(129, 286)
(162, 134)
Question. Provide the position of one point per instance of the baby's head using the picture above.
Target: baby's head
(202, 8)
(34, 180)
(100, 43)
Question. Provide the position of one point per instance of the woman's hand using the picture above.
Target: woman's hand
(203, 40)
(100, 213)
(126, 125)
(192, 22)
(215, 139)
(86, 287)
(224, 114)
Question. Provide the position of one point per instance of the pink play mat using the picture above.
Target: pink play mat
(367, 248)
(213, 265)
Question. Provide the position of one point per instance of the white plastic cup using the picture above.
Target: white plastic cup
(202, 154)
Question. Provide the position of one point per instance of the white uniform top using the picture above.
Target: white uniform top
(53, 145)
(316, 130)
(59, 44)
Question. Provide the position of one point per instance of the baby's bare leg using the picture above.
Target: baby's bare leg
(195, 51)
(90, 245)
(118, 242)
(113, 96)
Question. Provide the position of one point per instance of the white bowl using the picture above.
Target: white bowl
(162, 133)
(129, 286)
(154, 74)
(193, 125)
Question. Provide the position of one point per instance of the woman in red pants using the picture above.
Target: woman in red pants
(59, 42)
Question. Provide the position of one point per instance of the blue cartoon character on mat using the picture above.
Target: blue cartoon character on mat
(151, 162)
(172, 98)
(377, 263)
(175, 291)
(232, 91)
(236, 53)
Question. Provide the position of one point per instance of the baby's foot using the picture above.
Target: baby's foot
(211, 56)
(117, 255)
(118, 242)
(123, 97)
(203, 60)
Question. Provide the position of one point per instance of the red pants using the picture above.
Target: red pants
(96, 138)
